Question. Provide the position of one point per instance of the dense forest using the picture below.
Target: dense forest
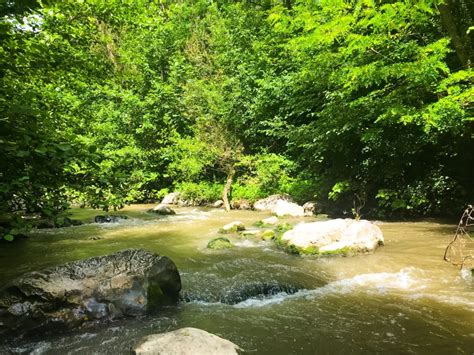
(356, 104)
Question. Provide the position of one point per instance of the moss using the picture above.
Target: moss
(278, 241)
(346, 251)
(312, 250)
(284, 227)
(283, 245)
(268, 234)
(219, 243)
(261, 224)
(155, 297)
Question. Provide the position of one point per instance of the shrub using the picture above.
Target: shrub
(199, 193)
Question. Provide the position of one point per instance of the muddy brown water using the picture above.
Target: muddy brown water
(402, 299)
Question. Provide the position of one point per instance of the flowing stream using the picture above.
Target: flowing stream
(402, 299)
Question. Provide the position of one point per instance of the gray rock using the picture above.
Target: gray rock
(241, 204)
(128, 283)
(109, 218)
(309, 208)
(68, 222)
(218, 204)
(170, 199)
(185, 341)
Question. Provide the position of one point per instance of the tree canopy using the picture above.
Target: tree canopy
(363, 102)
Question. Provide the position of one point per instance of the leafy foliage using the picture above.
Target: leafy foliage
(104, 104)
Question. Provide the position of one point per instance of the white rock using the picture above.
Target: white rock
(218, 203)
(233, 227)
(285, 208)
(271, 220)
(269, 203)
(185, 341)
(359, 236)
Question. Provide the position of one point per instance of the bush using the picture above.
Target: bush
(199, 193)
(247, 192)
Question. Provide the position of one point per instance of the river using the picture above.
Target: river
(402, 299)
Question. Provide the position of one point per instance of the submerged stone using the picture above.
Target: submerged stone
(128, 283)
(239, 292)
(185, 341)
(109, 218)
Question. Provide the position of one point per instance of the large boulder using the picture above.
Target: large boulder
(162, 210)
(170, 199)
(269, 203)
(185, 341)
(128, 283)
(285, 208)
(281, 205)
(335, 237)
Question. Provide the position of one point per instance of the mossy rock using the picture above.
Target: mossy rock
(268, 234)
(220, 243)
(232, 228)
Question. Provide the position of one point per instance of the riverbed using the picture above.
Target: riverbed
(402, 299)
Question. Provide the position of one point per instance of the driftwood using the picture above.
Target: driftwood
(460, 251)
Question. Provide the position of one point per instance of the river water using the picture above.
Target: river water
(402, 299)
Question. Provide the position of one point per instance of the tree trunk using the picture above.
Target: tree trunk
(227, 186)
(449, 25)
